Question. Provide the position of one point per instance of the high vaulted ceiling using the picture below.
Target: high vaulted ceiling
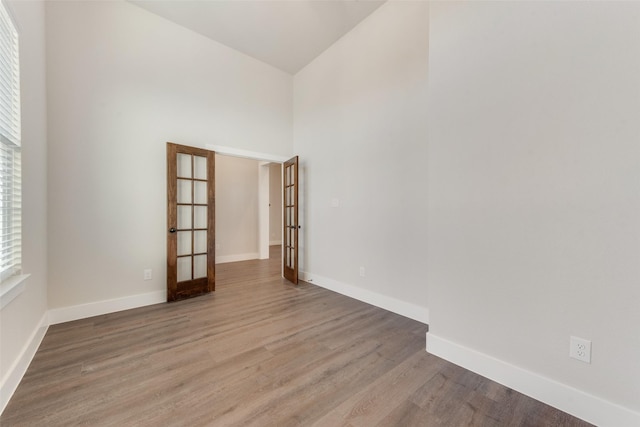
(287, 34)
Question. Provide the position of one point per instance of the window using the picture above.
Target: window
(10, 173)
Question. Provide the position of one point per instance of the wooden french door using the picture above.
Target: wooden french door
(190, 221)
(291, 225)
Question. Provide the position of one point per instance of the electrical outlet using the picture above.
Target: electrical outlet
(147, 274)
(217, 246)
(580, 349)
(361, 271)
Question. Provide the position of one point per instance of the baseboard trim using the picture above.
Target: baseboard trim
(568, 399)
(237, 257)
(403, 308)
(82, 311)
(275, 242)
(14, 375)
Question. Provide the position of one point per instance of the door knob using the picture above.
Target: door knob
(172, 230)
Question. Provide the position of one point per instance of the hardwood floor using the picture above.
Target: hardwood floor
(258, 352)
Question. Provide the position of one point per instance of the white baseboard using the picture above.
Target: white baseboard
(14, 375)
(561, 396)
(403, 308)
(82, 311)
(275, 242)
(237, 257)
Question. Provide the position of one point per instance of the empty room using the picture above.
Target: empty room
(437, 224)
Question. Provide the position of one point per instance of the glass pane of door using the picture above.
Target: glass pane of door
(191, 220)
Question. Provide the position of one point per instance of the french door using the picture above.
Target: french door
(190, 221)
(291, 225)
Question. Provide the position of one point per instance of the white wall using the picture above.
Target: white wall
(360, 131)
(121, 82)
(275, 202)
(533, 186)
(23, 321)
(236, 209)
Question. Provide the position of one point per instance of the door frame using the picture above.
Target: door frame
(264, 187)
(254, 155)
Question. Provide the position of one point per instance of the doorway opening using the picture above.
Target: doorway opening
(248, 208)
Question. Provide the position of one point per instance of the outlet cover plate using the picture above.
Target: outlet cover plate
(580, 349)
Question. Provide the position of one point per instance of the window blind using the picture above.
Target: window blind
(10, 169)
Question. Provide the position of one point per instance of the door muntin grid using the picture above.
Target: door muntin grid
(290, 220)
(192, 226)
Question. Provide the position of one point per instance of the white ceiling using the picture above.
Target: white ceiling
(287, 34)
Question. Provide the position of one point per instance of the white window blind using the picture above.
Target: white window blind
(10, 172)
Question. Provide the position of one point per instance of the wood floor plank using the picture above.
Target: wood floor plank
(388, 391)
(258, 352)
